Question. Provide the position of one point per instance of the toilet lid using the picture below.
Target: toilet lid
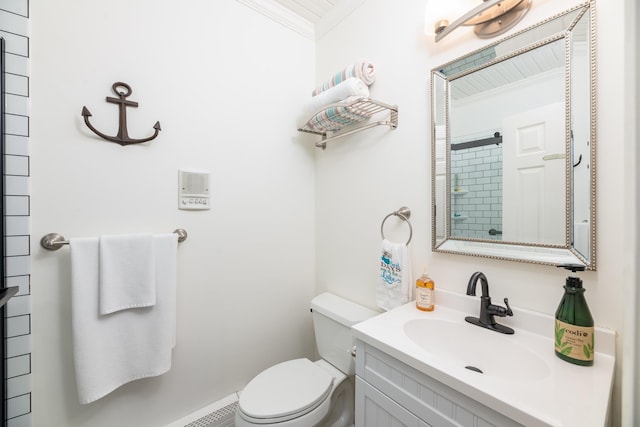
(290, 388)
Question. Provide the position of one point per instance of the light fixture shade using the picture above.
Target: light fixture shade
(493, 12)
(491, 18)
(504, 22)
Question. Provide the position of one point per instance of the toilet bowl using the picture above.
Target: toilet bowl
(297, 393)
(302, 393)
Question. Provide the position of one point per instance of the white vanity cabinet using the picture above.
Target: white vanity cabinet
(390, 393)
(410, 371)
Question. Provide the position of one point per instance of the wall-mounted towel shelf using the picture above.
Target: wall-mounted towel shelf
(54, 241)
(364, 105)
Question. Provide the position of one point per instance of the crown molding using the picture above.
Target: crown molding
(282, 15)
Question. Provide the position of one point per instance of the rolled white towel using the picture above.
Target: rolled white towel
(351, 87)
(363, 70)
(343, 90)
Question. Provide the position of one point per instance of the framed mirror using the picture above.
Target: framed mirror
(514, 146)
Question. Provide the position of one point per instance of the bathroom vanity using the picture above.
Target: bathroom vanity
(386, 386)
(424, 369)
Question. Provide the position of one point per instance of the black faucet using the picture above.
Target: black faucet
(487, 310)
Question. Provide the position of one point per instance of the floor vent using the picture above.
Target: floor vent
(223, 417)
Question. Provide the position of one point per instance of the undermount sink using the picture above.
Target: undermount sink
(481, 350)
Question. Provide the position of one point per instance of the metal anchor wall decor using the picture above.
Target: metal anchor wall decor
(122, 137)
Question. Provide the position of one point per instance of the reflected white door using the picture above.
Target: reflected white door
(534, 179)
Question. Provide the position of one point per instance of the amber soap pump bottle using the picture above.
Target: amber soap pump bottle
(574, 333)
(425, 289)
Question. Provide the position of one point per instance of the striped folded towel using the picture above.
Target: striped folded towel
(352, 86)
(363, 70)
(341, 114)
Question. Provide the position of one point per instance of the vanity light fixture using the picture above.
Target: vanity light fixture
(489, 19)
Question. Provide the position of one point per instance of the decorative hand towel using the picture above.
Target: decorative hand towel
(394, 284)
(127, 272)
(363, 70)
(350, 87)
(336, 117)
(114, 349)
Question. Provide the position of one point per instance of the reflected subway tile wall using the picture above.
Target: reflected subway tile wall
(14, 22)
(477, 208)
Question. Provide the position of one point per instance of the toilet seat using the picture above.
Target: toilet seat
(285, 391)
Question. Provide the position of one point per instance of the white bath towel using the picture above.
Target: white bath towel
(127, 272)
(394, 287)
(114, 349)
(350, 87)
(364, 70)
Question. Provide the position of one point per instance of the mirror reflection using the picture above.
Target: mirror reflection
(499, 135)
(513, 143)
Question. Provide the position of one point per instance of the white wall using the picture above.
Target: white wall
(247, 270)
(225, 83)
(363, 178)
(631, 346)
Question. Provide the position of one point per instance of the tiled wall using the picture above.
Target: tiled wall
(477, 208)
(14, 21)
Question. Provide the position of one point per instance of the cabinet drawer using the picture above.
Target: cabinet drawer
(430, 400)
(374, 409)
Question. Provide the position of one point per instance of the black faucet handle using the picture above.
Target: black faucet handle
(508, 312)
(497, 310)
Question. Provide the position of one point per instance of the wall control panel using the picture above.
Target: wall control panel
(193, 190)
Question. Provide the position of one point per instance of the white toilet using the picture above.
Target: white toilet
(302, 393)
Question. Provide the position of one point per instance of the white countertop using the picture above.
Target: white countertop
(569, 396)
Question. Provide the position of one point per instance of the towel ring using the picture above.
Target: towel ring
(404, 213)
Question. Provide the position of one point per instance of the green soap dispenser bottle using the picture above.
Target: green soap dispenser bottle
(574, 337)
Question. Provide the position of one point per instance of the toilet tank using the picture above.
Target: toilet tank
(333, 318)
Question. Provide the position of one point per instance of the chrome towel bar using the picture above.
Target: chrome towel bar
(54, 241)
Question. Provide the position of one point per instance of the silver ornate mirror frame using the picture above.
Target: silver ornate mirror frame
(555, 28)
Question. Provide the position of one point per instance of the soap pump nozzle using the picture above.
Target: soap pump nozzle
(573, 280)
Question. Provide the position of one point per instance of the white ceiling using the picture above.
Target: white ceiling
(311, 10)
(310, 18)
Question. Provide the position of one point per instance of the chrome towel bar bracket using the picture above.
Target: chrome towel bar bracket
(404, 213)
(54, 241)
